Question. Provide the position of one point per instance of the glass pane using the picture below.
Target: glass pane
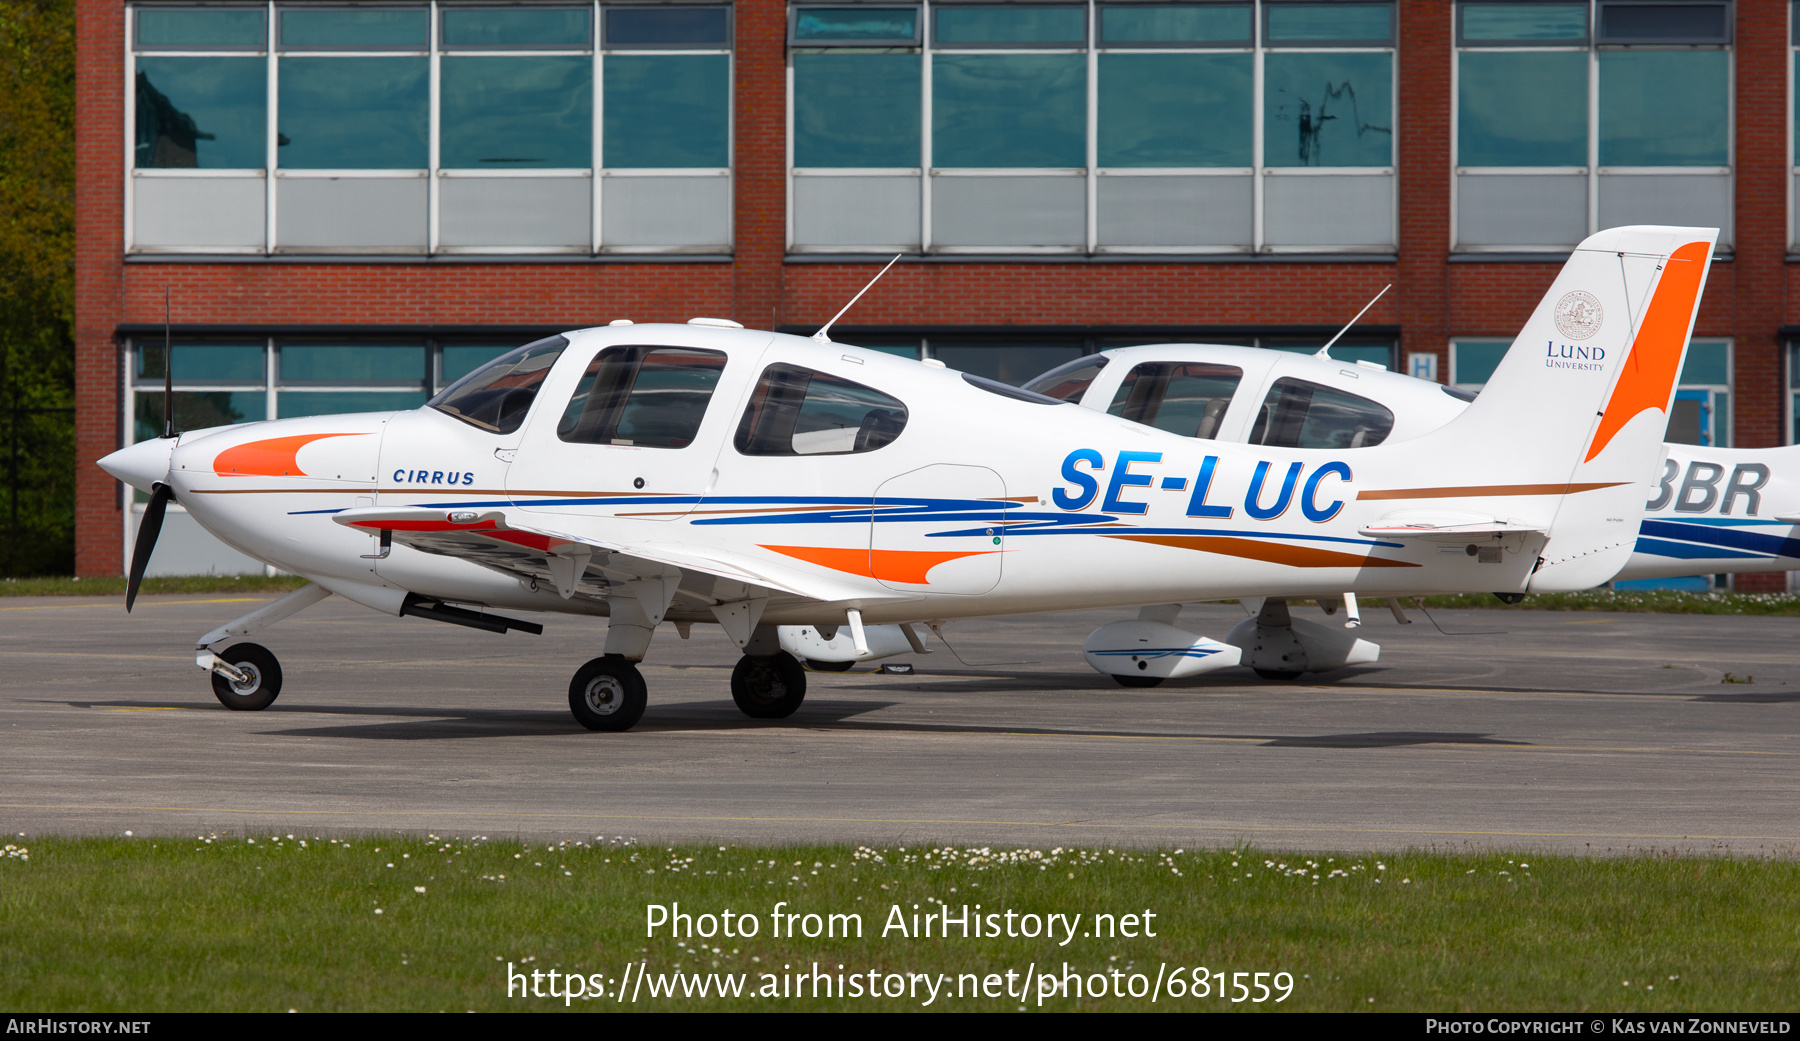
(856, 109)
(353, 113)
(460, 360)
(197, 410)
(517, 27)
(850, 24)
(497, 396)
(1328, 110)
(509, 113)
(354, 27)
(672, 25)
(1008, 363)
(205, 113)
(205, 363)
(1298, 414)
(1381, 354)
(351, 362)
(1175, 109)
(668, 398)
(1522, 108)
(1009, 110)
(1664, 108)
(1524, 22)
(667, 111)
(292, 404)
(1043, 25)
(201, 27)
(1673, 22)
(797, 411)
(1187, 399)
(1068, 381)
(1708, 362)
(1208, 23)
(1475, 362)
(1303, 23)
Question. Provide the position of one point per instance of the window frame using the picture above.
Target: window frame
(1258, 172)
(1591, 169)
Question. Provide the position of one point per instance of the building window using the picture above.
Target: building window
(1092, 127)
(1571, 117)
(430, 128)
(1700, 415)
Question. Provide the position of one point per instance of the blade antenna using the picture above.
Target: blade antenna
(1340, 333)
(168, 376)
(822, 335)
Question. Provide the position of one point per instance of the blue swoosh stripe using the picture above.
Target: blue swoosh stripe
(1771, 545)
(1689, 551)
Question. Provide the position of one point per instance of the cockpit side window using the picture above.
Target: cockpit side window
(496, 396)
(1186, 398)
(1298, 414)
(797, 411)
(651, 397)
(1068, 381)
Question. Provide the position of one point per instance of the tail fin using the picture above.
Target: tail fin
(1568, 433)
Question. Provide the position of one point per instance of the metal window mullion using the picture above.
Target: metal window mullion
(596, 153)
(269, 402)
(272, 157)
(1593, 99)
(1455, 151)
(1256, 144)
(788, 130)
(925, 133)
(129, 206)
(433, 136)
(1092, 189)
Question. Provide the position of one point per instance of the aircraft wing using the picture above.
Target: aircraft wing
(501, 539)
(1476, 529)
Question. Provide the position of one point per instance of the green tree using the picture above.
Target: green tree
(37, 286)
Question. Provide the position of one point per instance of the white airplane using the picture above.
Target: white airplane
(1708, 510)
(707, 473)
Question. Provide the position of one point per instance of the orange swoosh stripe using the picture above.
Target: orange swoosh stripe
(1271, 552)
(1649, 373)
(273, 457)
(906, 566)
(1482, 489)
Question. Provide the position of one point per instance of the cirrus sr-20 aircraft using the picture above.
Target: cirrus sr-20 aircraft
(704, 473)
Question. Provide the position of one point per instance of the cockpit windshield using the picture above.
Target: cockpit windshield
(496, 396)
(1186, 398)
(1299, 414)
(1068, 381)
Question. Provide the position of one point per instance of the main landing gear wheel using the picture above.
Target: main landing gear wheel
(1138, 681)
(828, 666)
(607, 694)
(768, 688)
(262, 678)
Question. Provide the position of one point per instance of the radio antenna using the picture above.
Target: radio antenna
(1340, 333)
(824, 330)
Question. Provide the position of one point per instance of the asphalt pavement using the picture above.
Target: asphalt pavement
(1573, 732)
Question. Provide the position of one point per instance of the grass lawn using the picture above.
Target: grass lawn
(410, 923)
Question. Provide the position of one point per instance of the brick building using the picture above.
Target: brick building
(347, 206)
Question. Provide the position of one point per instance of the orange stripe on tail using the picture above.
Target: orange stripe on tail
(1649, 373)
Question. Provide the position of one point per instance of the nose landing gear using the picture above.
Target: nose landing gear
(258, 679)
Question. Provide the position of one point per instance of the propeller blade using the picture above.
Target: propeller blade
(148, 529)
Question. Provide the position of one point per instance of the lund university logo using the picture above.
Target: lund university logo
(1578, 315)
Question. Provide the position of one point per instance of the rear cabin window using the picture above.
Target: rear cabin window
(1298, 414)
(797, 411)
(496, 396)
(1068, 381)
(648, 397)
(1186, 398)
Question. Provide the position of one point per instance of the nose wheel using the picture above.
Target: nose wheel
(607, 693)
(261, 681)
(769, 687)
